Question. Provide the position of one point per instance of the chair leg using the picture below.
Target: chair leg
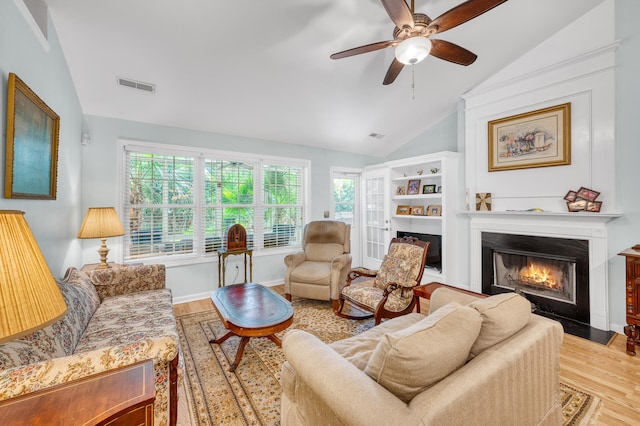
(287, 296)
(335, 304)
(173, 391)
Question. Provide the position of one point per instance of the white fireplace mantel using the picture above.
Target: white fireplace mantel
(585, 226)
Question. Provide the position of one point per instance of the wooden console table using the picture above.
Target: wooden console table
(632, 329)
(222, 267)
(123, 396)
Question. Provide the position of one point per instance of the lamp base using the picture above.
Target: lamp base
(103, 251)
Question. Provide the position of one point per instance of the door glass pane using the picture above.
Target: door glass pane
(344, 199)
(374, 200)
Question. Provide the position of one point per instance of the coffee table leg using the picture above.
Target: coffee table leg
(243, 343)
(274, 339)
(223, 338)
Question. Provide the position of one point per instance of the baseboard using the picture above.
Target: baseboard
(207, 294)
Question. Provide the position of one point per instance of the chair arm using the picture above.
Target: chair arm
(340, 387)
(129, 279)
(294, 259)
(360, 272)
(341, 261)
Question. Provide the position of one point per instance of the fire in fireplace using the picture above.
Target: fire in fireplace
(553, 278)
(553, 273)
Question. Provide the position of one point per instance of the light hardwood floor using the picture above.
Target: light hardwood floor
(605, 371)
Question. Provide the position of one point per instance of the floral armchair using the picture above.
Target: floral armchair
(388, 291)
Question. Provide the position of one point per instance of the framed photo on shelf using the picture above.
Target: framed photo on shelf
(417, 210)
(594, 206)
(587, 194)
(537, 138)
(413, 188)
(428, 189)
(571, 196)
(434, 210)
(577, 206)
(403, 210)
(401, 190)
(439, 190)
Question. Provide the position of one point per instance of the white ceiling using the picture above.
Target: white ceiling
(261, 69)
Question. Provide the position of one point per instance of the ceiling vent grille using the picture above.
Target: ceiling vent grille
(146, 87)
(376, 135)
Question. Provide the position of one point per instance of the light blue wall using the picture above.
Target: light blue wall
(100, 176)
(443, 136)
(54, 223)
(624, 232)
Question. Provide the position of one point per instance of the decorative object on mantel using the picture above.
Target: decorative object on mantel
(537, 138)
(419, 172)
(583, 200)
(483, 201)
(434, 170)
(534, 210)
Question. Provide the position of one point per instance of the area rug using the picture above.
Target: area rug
(251, 395)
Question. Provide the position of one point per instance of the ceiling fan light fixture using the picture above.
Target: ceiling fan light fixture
(413, 50)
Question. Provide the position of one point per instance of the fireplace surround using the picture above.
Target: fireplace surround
(590, 227)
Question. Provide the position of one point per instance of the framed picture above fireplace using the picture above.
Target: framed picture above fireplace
(539, 138)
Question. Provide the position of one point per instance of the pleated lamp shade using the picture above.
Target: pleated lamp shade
(29, 296)
(101, 222)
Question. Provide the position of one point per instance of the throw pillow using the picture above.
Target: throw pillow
(503, 315)
(408, 361)
(393, 269)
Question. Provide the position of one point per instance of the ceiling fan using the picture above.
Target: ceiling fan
(411, 35)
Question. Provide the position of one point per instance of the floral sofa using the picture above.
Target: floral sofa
(115, 317)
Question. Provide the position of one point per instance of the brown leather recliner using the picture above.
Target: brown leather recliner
(320, 270)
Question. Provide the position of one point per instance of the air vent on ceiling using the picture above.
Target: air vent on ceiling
(376, 135)
(127, 82)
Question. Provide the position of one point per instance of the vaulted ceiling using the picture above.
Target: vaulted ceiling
(261, 69)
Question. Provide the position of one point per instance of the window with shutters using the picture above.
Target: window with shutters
(179, 202)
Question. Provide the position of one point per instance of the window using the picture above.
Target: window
(180, 203)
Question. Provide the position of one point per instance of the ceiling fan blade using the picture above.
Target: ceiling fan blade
(462, 13)
(364, 49)
(399, 12)
(451, 52)
(393, 71)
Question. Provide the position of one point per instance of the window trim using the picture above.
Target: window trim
(258, 160)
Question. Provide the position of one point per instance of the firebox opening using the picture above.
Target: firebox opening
(534, 273)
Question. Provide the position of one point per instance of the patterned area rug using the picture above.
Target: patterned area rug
(251, 395)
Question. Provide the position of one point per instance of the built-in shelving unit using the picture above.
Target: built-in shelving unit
(424, 193)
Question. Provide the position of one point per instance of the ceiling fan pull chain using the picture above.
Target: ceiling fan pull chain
(413, 82)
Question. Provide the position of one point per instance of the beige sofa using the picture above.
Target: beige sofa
(471, 361)
(115, 317)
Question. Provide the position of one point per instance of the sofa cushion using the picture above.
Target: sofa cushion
(410, 360)
(503, 315)
(392, 270)
(60, 338)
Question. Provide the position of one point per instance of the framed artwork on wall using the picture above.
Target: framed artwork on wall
(539, 138)
(31, 161)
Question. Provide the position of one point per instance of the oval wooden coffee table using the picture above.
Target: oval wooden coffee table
(251, 310)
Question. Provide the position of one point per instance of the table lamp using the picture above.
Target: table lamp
(29, 296)
(101, 222)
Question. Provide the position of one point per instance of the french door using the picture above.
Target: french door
(377, 226)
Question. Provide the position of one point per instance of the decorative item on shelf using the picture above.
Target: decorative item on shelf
(584, 199)
(439, 190)
(29, 296)
(483, 201)
(403, 210)
(419, 172)
(434, 210)
(538, 138)
(401, 190)
(434, 170)
(413, 188)
(101, 222)
(236, 237)
(417, 210)
(428, 189)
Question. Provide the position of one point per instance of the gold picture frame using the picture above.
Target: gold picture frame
(31, 161)
(403, 210)
(417, 210)
(539, 138)
(434, 210)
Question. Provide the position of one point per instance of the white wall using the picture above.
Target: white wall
(43, 68)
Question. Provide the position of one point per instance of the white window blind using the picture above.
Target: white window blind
(180, 203)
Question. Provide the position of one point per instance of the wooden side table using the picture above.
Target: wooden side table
(93, 266)
(632, 329)
(222, 267)
(426, 290)
(123, 396)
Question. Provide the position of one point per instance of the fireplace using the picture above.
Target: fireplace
(553, 273)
